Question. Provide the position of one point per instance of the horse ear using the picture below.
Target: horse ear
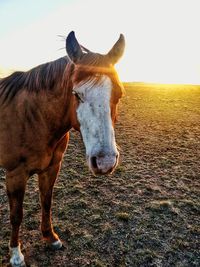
(73, 48)
(117, 50)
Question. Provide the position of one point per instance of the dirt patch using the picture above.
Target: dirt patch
(147, 213)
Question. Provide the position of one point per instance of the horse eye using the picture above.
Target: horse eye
(78, 96)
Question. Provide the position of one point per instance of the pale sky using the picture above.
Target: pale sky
(162, 36)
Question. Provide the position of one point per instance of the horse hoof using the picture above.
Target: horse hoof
(56, 245)
(17, 258)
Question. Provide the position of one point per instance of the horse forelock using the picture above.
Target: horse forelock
(91, 69)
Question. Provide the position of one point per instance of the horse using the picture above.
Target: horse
(37, 110)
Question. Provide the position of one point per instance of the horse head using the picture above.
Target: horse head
(97, 90)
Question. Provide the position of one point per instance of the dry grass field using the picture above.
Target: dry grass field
(147, 213)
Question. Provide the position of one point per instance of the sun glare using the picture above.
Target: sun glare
(161, 45)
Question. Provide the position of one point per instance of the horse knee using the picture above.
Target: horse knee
(16, 219)
(16, 206)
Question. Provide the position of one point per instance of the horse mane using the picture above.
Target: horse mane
(58, 73)
(42, 77)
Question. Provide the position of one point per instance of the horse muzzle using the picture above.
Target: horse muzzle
(103, 164)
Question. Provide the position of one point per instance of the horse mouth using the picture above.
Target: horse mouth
(102, 165)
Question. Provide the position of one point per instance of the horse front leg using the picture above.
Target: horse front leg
(16, 184)
(46, 183)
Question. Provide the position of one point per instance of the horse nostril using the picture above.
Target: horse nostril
(94, 162)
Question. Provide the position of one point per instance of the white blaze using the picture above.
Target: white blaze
(94, 116)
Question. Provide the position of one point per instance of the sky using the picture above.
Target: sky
(162, 36)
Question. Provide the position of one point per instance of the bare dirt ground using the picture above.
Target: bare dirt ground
(147, 213)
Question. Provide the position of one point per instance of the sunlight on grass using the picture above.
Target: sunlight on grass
(161, 86)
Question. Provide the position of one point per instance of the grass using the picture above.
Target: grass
(146, 213)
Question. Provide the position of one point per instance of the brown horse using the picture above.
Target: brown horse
(37, 110)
